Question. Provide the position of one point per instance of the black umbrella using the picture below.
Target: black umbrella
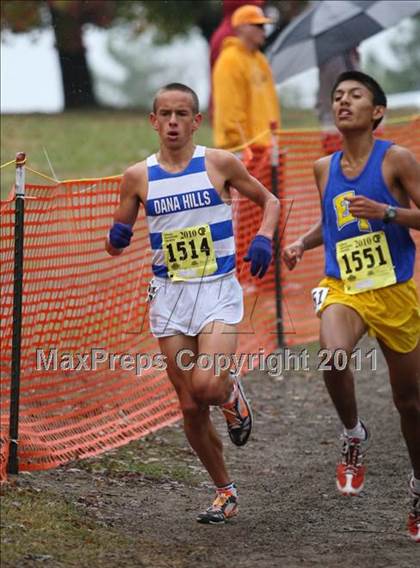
(329, 28)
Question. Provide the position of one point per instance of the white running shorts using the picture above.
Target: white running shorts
(187, 307)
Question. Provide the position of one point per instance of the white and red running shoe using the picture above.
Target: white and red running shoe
(413, 522)
(350, 473)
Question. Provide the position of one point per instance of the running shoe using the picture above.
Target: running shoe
(224, 507)
(350, 473)
(238, 415)
(413, 523)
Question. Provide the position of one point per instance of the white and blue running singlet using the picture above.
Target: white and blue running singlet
(191, 231)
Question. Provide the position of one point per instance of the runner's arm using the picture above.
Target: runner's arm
(126, 213)
(407, 175)
(248, 186)
(312, 238)
(260, 251)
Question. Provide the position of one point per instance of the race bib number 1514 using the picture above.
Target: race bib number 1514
(189, 252)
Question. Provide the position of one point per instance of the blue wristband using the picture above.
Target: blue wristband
(120, 235)
(259, 254)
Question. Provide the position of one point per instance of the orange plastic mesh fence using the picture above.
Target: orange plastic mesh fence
(84, 309)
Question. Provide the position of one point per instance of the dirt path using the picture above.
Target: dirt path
(291, 515)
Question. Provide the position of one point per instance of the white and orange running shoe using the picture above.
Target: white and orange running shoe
(350, 473)
(224, 507)
(238, 415)
(413, 522)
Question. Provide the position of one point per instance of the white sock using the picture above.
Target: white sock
(229, 488)
(357, 432)
(415, 485)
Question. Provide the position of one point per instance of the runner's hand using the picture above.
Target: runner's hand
(364, 208)
(293, 253)
(120, 235)
(259, 254)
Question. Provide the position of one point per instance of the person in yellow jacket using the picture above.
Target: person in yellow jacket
(245, 99)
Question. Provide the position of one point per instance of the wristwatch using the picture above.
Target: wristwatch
(390, 214)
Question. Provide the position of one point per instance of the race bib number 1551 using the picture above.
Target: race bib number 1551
(365, 263)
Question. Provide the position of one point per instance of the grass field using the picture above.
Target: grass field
(78, 144)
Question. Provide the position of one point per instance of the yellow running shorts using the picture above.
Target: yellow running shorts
(391, 314)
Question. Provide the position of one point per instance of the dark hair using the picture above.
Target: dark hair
(379, 97)
(178, 87)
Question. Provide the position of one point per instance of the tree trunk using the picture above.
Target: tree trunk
(77, 82)
(75, 73)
